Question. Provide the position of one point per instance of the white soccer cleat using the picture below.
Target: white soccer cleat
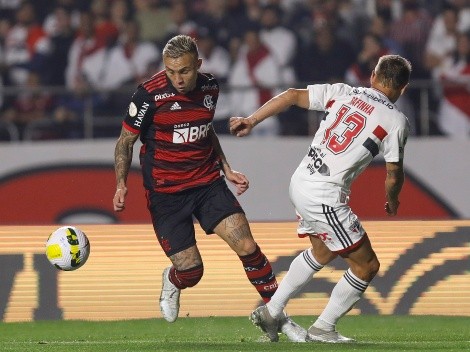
(316, 334)
(293, 331)
(169, 298)
(262, 319)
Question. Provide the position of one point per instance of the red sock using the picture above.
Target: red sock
(260, 273)
(186, 278)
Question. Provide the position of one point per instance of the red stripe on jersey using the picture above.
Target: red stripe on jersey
(157, 81)
(161, 82)
(130, 128)
(329, 104)
(178, 151)
(194, 183)
(156, 85)
(380, 133)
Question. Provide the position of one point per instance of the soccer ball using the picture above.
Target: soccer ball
(67, 248)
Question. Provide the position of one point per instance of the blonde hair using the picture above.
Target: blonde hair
(180, 45)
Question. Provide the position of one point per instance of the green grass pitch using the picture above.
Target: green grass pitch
(373, 333)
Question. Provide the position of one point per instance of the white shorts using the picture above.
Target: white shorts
(338, 227)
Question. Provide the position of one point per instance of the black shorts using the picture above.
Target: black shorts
(173, 213)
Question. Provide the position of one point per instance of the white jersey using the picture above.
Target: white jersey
(359, 123)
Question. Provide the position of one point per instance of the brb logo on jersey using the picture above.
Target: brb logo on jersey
(184, 133)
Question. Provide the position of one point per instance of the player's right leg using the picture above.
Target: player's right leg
(174, 228)
(186, 271)
(301, 270)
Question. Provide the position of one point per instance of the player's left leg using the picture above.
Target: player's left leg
(235, 230)
(219, 212)
(363, 265)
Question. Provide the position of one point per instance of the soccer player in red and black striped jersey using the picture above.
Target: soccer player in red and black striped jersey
(182, 161)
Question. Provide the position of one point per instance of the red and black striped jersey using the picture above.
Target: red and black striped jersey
(177, 152)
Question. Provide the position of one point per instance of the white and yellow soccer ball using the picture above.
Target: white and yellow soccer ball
(67, 248)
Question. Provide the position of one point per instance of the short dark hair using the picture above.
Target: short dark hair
(393, 71)
(180, 45)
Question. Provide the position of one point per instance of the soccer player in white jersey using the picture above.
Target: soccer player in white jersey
(359, 123)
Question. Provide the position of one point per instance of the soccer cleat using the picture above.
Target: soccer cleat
(169, 298)
(316, 334)
(293, 331)
(262, 319)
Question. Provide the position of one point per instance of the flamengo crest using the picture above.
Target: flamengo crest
(208, 103)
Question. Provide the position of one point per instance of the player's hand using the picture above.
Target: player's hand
(391, 208)
(119, 199)
(239, 180)
(240, 126)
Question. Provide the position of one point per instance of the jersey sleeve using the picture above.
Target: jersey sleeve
(394, 143)
(321, 94)
(138, 111)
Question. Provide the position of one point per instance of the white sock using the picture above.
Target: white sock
(345, 294)
(300, 272)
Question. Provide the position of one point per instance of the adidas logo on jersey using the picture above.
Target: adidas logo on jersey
(175, 106)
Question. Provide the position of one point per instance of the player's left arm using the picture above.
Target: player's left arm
(237, 178)
(394, 152)
(393, 185)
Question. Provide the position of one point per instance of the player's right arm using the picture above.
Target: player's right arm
(122, 163)
(138, 115)
(240, 126)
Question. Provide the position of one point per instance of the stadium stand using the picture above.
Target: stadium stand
(92, 49)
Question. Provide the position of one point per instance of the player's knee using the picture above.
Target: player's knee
(247, 247)
(370, 270)
(374, 268)
(366, 271)
(189, 277)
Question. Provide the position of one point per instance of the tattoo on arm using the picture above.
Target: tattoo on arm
(123, 155)
(394, 182)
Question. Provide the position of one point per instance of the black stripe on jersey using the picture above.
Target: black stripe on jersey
(335, 224)
(180, 147)
(371, 146)
(310, 262)
(182, 165)
(360, 286)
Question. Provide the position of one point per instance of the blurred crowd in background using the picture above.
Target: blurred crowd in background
(64, 62)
